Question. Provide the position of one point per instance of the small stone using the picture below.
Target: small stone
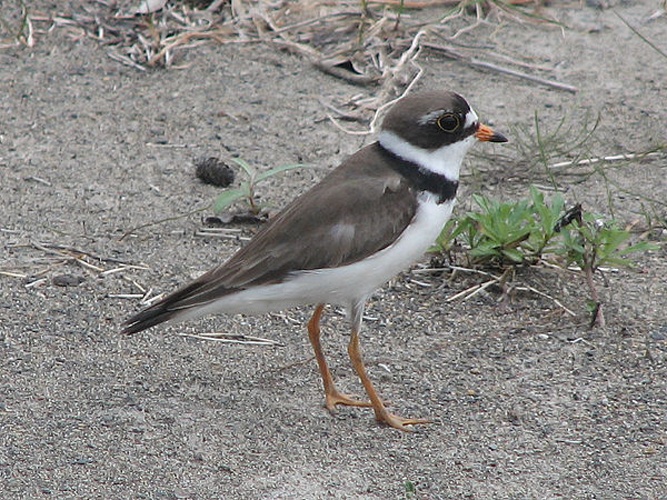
(67, 280)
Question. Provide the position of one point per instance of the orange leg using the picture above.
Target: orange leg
(333, 397)
(381, 413)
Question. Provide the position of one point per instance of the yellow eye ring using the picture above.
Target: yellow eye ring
(449, 122)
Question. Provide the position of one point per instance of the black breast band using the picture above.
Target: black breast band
(420, 178)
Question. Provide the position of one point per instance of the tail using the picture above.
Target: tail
(178, 304)
(147, 318)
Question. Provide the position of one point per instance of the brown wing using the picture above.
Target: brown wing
(357, 210)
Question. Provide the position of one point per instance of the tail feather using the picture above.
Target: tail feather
(147, 318)
(171, 307)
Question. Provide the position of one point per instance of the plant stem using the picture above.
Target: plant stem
(597, 318)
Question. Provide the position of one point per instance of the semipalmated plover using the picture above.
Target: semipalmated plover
(366, 221)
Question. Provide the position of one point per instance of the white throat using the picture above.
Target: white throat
(445, 161)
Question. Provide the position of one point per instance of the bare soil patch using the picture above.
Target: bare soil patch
(527, 401)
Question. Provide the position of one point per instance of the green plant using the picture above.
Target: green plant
(410, 490)
(246, 191)
(542, 145)
(645, 39)
(565, 148)
(548, 217)
(589, 242)
(525, 232)
(507, 233)
(495, 234)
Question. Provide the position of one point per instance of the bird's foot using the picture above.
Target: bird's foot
(399, 423)
(338, 398)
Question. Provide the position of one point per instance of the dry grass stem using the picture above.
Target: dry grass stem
(121, 269)
(232, 338)
(612, 158)
(477, 63)
(141, 289)
(58, 255)
(470, 292)
(221, 232)
(534, 290)
(134, 230)
(408, 4)
(11, 274)
(130, 296)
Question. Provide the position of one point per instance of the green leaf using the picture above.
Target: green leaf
(642, 246)
(513, 255)
(250, 171)
(227, 198)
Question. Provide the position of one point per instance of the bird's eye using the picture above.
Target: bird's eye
(449, 122)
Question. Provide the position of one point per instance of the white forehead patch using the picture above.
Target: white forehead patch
(471, 119)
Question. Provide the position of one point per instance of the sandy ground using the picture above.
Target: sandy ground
(527, 402)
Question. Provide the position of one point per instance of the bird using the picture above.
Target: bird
(366, 221)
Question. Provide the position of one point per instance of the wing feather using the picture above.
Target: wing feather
(357, 210)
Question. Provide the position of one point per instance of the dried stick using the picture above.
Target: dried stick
(591, 161)
(232, 338)
(471, 61)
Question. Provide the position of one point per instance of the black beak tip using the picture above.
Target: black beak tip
(497, 137)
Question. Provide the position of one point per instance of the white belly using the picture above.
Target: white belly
(342, 285)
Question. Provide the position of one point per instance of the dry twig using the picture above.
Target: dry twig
(232, 338)
(471, 61)
(470, 292)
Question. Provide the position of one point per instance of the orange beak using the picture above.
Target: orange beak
(486, 134)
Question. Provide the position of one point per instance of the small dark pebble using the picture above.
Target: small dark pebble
(67, 280)
(82, 461)
(513, 417)
(214, 171)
